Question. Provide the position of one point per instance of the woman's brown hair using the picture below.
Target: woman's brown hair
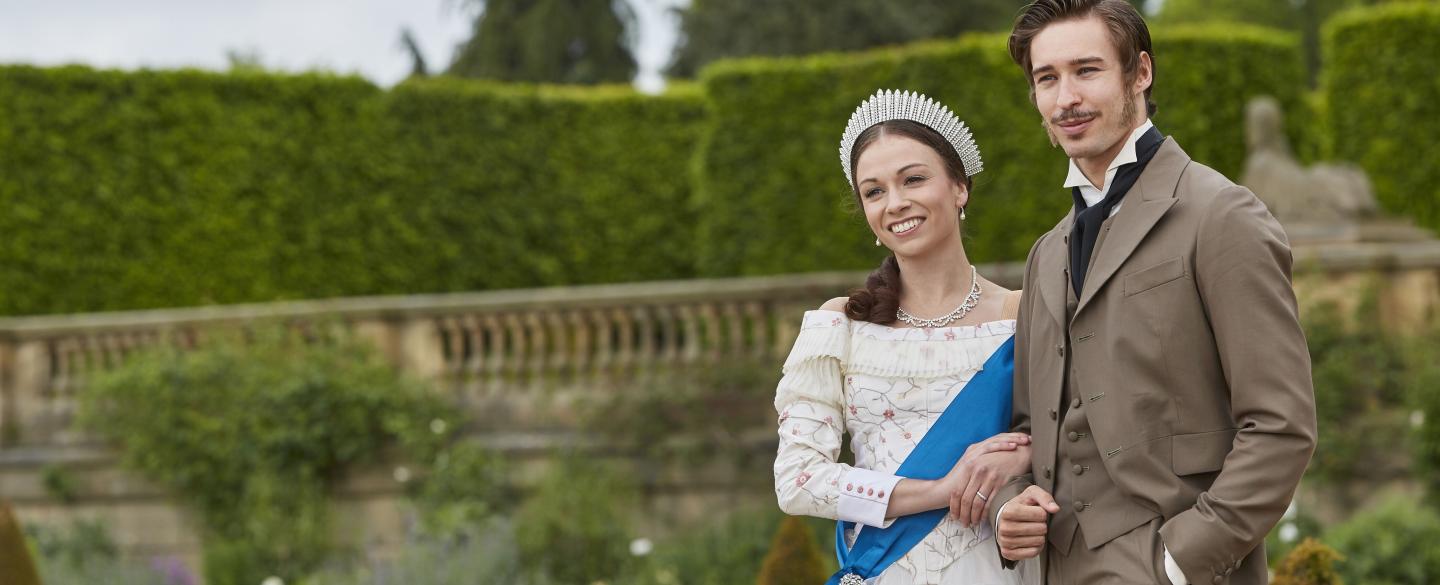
(880, 298)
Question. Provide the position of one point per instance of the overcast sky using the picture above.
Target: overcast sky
(347, 36)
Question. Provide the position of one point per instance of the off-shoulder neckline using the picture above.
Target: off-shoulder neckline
(1006, 325)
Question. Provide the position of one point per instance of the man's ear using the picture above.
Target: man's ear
(1144, 73)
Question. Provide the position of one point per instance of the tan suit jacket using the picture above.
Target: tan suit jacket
(1188, 351)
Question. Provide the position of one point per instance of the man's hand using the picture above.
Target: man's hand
(1022, 528)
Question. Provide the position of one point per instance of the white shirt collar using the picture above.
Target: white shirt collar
(1127, 155)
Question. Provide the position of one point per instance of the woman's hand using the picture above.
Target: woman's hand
(985, 467)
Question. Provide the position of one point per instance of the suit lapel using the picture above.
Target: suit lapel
(1137, 216)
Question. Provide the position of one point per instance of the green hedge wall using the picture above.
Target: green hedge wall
(527, 186)
(153, 189)
(1382, 85)
(772, 197)
(127, 190)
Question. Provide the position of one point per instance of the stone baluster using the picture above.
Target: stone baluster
(494, 363)
(539, 347)
(735, 326)
(710, 321)
(690, 334)
(583, 347)
(625, 340)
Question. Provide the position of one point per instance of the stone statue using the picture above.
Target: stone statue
(1334, 193)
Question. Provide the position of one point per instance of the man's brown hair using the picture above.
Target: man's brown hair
(1127, 31)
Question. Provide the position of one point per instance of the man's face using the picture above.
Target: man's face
(1081, 91)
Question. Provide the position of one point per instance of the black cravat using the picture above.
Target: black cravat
(1089, 219)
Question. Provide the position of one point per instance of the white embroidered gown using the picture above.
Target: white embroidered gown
(885, 386)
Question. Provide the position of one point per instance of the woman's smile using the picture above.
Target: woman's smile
(906, 227)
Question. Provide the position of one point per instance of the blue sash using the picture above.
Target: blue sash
(977, 413)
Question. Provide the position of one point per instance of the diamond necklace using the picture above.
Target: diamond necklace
(971, 301)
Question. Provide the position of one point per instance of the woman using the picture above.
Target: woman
(890, 362)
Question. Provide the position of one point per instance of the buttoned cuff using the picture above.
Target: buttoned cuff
(865, 496)
(1172, 570)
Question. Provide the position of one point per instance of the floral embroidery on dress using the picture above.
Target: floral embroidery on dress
(885, 386)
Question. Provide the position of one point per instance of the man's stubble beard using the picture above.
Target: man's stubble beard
(1127, 119)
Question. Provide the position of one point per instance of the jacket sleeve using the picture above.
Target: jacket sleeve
(1020, 409)
(1242, 270)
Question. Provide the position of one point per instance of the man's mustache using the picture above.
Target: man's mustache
(1068, 115)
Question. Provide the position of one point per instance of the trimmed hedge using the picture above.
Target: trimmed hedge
(773, 198)
(1382, 84)
(535, 186)
(128, 190)
(151, 189)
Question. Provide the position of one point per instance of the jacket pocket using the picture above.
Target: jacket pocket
(1148, 278)
(1200, 452)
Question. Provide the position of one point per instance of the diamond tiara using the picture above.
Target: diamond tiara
(888, 104)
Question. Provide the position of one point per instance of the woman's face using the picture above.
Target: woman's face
(909, 201)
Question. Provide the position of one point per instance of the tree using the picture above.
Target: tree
(411, 46)
(793, 556)
(715, 29)
(15, 562)
(1310, 563)
(554, 41)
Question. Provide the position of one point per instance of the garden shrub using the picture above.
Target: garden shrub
(253, 434)
(793, 556)
(15, 561)
(467, 485)
(1392, 543)
(772, 196)
(487, 554)
(1309, 563)
(83, 552)
(576, 526)
(1423, 389)
(1295, 527)
(1382, 83)
(726, 549)
(687, 414)
(1359, 375)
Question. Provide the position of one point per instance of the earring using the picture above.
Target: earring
(877, 242)
(962, 214)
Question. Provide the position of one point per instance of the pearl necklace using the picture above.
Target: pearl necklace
(971, 301)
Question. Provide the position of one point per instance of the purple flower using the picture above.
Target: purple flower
(173, 571)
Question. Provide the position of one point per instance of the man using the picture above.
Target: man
(1160, 365)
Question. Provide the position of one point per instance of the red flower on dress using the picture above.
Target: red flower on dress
(949, 336)
(907, 434)
(853, 410)
(801, 479)
(829, 420)
(889, 413)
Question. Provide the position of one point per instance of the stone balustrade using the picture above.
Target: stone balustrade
(484, 344)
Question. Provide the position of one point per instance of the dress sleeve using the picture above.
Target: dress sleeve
(811, 401)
